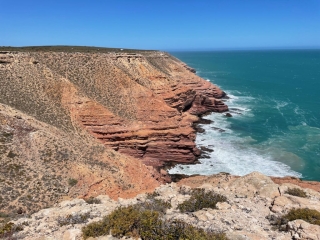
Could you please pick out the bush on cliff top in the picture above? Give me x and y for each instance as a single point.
(8, 229)
(309, 215)
(147, 224)
(306, 214)
(93, 200)
(145, 220)
(72, 182)
(200, 198)
(296, 192)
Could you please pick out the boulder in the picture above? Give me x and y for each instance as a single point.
(300, 229)
(255, 184)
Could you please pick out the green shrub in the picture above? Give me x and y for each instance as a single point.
(296, 192)
(121, 222)
(2, 214)
(93, 200)
(154, 204)
(177, 229)
(7, 230)
(72, 182)
(135, 222)
(201, 199)
(150, 225)
(306, 214)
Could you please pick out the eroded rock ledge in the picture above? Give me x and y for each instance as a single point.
(141, 104)
(65, 111)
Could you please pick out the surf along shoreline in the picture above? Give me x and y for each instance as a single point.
(206, 150)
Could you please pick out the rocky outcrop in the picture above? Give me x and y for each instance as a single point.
(302, 230)
(296, 181)
(245, 215)
(95, 118)
(141, 104)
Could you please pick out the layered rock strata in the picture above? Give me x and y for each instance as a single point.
(42, 165)
(141, 104)
(77, 123)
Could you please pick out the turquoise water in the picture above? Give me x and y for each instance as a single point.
(275, 102)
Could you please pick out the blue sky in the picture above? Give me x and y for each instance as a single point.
(165, 24)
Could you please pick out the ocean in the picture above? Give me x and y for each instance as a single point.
(275, 106)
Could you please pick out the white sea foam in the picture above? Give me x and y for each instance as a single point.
(301, 115)
(233, 153)
(240, 104)
(291, 112)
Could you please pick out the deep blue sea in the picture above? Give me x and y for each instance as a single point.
(275, 103)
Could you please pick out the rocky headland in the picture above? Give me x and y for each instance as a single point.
(79, 122)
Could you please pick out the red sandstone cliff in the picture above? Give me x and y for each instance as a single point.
(58, 109)
(140, 104)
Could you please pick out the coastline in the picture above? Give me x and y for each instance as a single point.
(275, 130)
(311, 184)
(97, 101)
(97, 148)
(84, 117)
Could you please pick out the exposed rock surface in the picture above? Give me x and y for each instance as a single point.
(296, 181)
(303, 230)
(138, 104)
(60, 108)
(250, 203)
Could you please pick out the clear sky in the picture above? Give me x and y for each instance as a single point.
(164, 25)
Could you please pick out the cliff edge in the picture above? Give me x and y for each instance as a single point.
(87, 121)
(252, 207)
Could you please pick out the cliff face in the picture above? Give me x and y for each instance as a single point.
(58, 109)
(140, 104)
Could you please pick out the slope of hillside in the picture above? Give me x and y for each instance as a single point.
(75, 123)
(41, 165)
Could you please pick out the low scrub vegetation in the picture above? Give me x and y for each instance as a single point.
(72, 182)
(146, 221)
(306, 214)
(8, 229)
(136, 222)
(296, 192)
(93, 200)
(152, 203)
(200, 198)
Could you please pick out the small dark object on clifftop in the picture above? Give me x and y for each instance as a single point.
(93, 200)
(20, 211)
